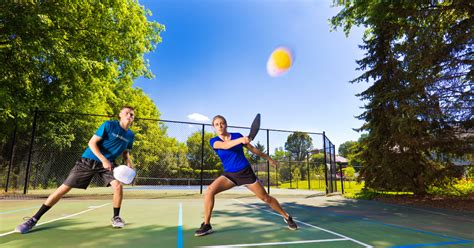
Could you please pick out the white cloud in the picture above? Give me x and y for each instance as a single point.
(198, 117)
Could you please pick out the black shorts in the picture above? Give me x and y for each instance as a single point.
(85, 169)
(242, 177)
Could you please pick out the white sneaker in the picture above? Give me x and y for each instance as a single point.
(118, 222)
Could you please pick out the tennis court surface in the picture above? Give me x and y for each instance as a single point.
(239, 220)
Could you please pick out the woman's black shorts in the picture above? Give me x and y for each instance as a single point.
(242, 177)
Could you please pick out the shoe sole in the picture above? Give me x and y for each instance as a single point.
(289, 227)
(115, 226)
(19, 231)
(202, 234)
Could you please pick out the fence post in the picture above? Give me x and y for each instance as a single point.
(12, 153)
(202, 156)
(309, 172)
(268, 162)
(325, 162)
(291, 173)
(28, 166)
(333, 168)
(342, 179)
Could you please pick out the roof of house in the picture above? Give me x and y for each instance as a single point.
(340, 159)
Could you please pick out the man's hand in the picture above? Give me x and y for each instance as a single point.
(107, 165)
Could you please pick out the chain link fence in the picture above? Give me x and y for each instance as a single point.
(37, 155)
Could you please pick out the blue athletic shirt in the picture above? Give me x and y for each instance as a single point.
(233, 159)
(114, 141)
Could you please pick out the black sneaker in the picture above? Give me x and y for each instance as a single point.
(204, 230)
(27, 225)
(291, 224)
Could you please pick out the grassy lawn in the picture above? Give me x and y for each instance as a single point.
(350, 187)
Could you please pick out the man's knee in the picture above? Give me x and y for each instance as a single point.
(117, 186)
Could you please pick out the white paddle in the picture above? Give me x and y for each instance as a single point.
(124, 174)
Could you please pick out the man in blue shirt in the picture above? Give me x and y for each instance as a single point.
(112, 139)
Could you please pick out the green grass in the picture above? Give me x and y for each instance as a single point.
(350, 187)
(353, 189)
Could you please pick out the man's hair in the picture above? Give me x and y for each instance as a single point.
(218, 117)
(127, 107)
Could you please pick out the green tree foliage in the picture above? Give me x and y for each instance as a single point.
(345, 147)
(74, 57)
(298, 145)
(349, 172)
(154, 153)
(211, 160)
(419, 63)
(280, 154)
(253, 158)
(317, 159)
(71, 56)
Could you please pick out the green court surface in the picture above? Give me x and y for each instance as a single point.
(239, 221)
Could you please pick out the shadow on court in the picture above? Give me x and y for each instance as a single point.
(373, 223)
(66, 234)
(244, 220)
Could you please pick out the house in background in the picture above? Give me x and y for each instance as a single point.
(342, 161)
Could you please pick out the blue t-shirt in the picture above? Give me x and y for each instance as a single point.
(114, 141)
(233, 159)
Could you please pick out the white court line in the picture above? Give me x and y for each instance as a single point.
(277, 243)
(67, 216)
(304, 223)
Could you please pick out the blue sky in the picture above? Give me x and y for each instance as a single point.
(213, 61)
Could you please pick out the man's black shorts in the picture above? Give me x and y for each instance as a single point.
(85, 169)
(242, 177)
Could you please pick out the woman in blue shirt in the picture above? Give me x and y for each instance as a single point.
(237, 172)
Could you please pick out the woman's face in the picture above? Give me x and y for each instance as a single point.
(220, 126)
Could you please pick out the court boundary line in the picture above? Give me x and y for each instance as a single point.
(310, 225)
(180, 242)
(18, 210)
(278, 243)
(90, 208)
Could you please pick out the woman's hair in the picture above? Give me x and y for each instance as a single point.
(219, 117)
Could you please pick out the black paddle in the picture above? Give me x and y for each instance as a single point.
(254, 128)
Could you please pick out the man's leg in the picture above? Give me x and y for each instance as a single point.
(57, 195)
(117, 203)
(52, 199)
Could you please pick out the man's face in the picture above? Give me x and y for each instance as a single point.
(127, 115)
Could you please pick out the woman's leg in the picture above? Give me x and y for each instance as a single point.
(219, 185)
(260, 192)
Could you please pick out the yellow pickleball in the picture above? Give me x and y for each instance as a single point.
(279, 62)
